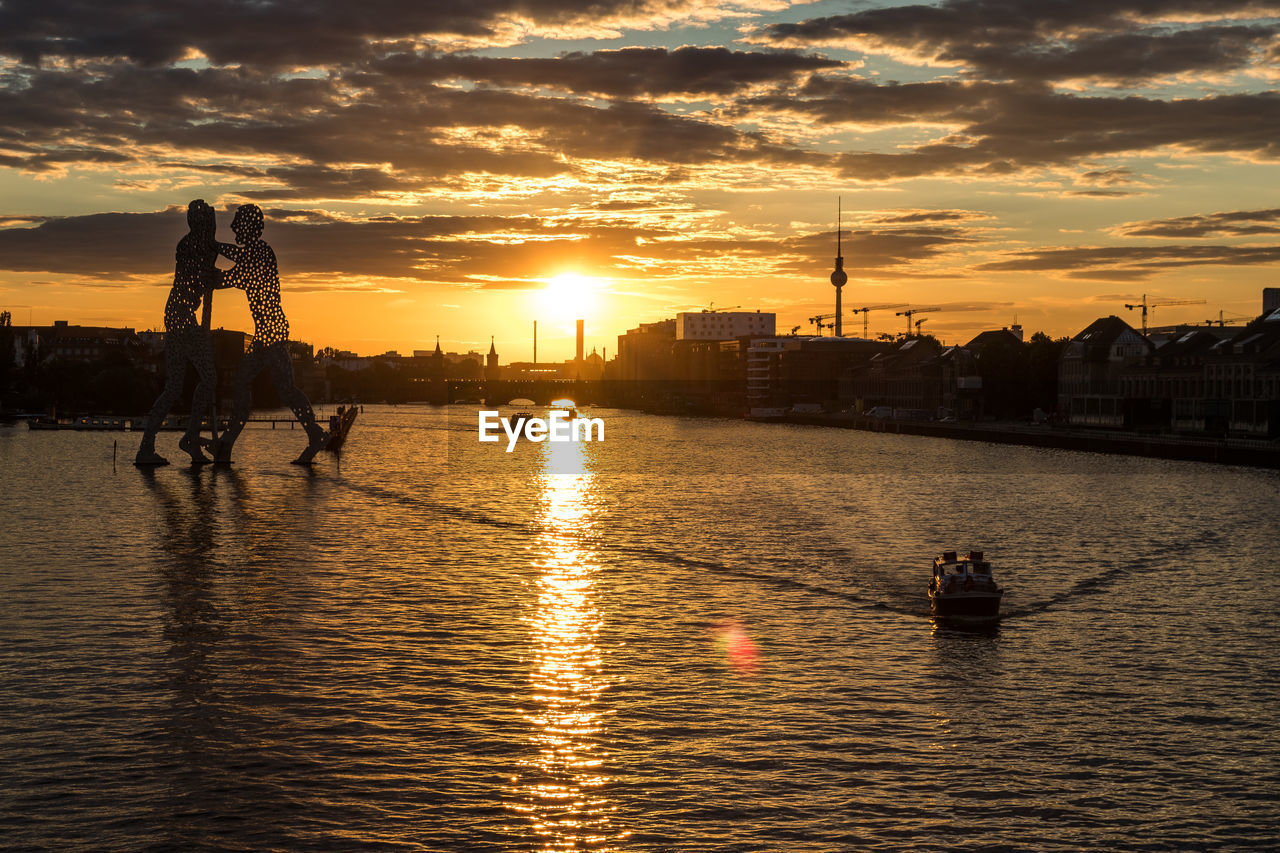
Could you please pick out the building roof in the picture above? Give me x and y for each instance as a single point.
(910, 351)
(1189, 347)
(1258, 337)
(1095, 340)
(993, 337)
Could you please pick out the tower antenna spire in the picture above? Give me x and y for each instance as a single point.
(839, 276)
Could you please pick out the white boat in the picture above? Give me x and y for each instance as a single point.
(567, 406)
(963, 588)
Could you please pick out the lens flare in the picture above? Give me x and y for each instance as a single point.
(737, 647)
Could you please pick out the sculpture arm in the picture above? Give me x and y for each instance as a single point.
(230, 251)
(237, 276)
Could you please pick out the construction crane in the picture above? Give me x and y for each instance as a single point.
(818, 322)
(911, 312)
(867, 309)
(920, 323)
(1147, 306)
(1224, 319)
(712, 309)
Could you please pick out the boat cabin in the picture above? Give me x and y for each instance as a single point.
(952, 572)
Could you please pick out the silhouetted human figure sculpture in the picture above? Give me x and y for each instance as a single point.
(185, 339)
(255, 273)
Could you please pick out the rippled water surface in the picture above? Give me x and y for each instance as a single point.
(698, 635)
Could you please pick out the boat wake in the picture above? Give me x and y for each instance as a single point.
(1085, 587)
(658, 555)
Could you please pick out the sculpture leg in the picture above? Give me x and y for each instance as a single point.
(201, 355)
(175, 366)
(250, 366)
(293, 397)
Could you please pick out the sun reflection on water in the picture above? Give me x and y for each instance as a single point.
(561, 785)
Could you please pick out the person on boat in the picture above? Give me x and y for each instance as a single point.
(255, 272)
(185, 340)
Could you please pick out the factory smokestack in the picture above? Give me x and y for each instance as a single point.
(580, 342)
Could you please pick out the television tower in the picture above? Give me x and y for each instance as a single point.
(838, 276)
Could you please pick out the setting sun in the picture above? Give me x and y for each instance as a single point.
(570, 296)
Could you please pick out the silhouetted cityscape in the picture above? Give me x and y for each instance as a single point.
(1204, 380)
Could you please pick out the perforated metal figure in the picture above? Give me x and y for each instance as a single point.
(255, 273)
(184, 339)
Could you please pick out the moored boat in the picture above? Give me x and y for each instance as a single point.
(963, 588)
(91, 422)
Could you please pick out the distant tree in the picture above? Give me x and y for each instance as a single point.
(327, 352)
(342, 382)
(1044, 353)
(120, 386)
(379, 381)
(928, 337)
(1002, 362)
(66, 384)
(468, 368)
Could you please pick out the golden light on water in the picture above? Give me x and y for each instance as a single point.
(560, 786)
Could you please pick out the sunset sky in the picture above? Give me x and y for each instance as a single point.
(463, 169)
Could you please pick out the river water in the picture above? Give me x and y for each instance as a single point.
(698, 635)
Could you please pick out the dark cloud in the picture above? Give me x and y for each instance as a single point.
(473, 250)
(387, 126)
(1110, 274)
(874, 249)
(862, 101)
(128, 245)
(214, 169)
(1238, 223)
(812, 253)
(1127, 58)
(1128, 263)
(1108, 177)
(953, 307)
(1004, 128)
(912, 217)
(419, 134)
(1128, 41)
(633, 72)
(282, 33)
(1100, 194)
(101, 245)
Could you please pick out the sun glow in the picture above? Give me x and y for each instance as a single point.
(570, 296)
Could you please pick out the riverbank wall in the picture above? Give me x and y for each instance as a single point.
(1253, 453)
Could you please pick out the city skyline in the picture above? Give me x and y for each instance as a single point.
(469, 172)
